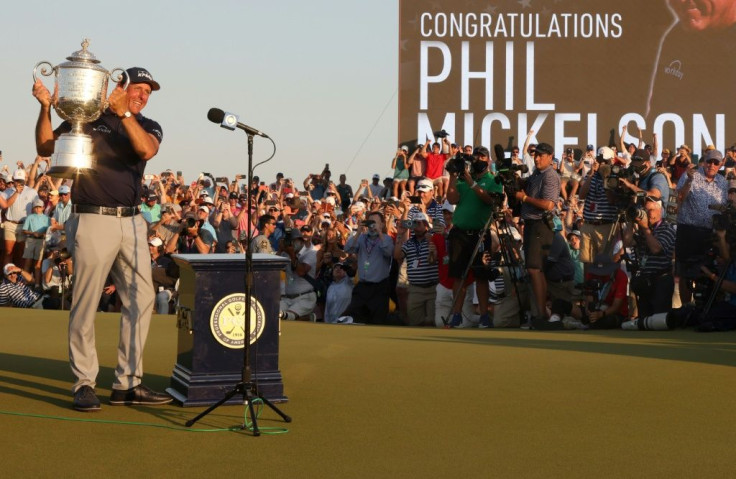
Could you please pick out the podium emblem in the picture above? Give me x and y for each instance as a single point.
(227, 321)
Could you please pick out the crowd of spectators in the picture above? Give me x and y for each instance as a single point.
(595, 239)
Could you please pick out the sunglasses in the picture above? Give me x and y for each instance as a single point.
(713, 162)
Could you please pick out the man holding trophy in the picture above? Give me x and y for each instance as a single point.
(105, 233)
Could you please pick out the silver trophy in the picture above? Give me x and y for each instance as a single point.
(81, 86)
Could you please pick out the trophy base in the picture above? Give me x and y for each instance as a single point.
(72, 156)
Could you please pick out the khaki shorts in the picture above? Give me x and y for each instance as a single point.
(595, 239)
(14, 232)
(34, 249)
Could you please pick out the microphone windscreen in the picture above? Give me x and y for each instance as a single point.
(215, 115)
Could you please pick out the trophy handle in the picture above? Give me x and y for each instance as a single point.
(44, 71)
(119, 77)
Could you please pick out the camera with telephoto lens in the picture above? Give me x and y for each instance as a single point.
(618, 173)
(60, 256)
(725, 220)
(459, 163)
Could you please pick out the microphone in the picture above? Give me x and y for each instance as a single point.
(230, 121)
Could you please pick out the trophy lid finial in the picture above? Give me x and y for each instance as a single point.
(83, 55)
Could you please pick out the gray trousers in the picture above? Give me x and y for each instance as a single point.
(100, 245)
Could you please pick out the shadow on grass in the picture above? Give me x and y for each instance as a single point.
(708, 348)
(30, 372)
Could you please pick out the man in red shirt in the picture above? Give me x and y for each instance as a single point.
(606, 303)
(435, 164)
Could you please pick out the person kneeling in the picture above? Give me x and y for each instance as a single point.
(605, 302)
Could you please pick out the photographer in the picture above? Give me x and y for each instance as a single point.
(374, 249)
(191, 238)
(600, 212)
(654, 241)
(225, 223)
(651, 182)
(605, 301)
(476, 195)
(538, 197)
(427, 205)
(421, 269)
(696, 190)
(57, 270)
(299, 298)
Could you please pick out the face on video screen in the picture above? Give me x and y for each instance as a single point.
(705, 14)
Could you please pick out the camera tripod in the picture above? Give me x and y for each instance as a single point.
(247, 386)
(513, 262)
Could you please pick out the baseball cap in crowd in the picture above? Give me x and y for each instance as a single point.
(359, 204)
(141, 75)
(425, 185)
(605, 153)
(345, 267)
(545, 148)
(54, 192)
(8, 267)
(640, 155)
(713, 155)
(38, 203)
(590, 148)
(64, 189)
(330, 201)
(208, 200)
(289, 195)
(233, 196)
(19, 175)
(376, 176)
(602, 265)
(205, 209)
(405, 148)
(151, 197)
(481, 151)
(447, 206)
(574, 233)
(156, 241)
(420, 217)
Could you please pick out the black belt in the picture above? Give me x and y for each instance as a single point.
(424, 285)
(292, 296)
(118, 211)
(15, 222)
(598, 222)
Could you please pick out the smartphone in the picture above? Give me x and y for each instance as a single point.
(415, 200)
(178, 174)
(148, 177)
(303, 193)
(221, 179)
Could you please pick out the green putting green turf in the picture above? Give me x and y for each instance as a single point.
(391, 402)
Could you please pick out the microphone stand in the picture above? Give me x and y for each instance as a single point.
(247, 386)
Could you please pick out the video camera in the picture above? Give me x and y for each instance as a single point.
(506, 173)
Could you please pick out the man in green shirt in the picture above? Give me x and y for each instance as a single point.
(475, 194)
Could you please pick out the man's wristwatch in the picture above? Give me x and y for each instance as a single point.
(127, 114)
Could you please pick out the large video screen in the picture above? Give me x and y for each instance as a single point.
(575, 72)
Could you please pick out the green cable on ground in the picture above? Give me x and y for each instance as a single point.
(248, 424)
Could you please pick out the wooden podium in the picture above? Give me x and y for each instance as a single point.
(211, 327)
